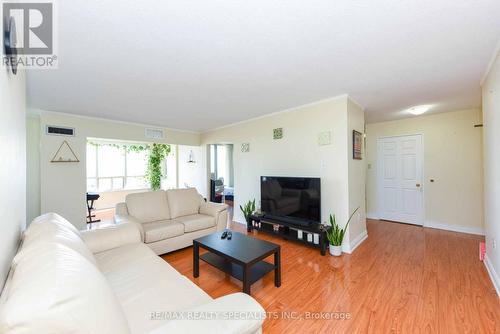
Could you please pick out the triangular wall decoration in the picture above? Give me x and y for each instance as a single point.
(65, 154)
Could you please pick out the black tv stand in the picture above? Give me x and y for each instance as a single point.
(290, 230)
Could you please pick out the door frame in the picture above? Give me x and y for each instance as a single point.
(379, 176)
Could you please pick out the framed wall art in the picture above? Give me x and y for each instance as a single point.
(357, 145)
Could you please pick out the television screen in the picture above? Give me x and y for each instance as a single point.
(295, 198)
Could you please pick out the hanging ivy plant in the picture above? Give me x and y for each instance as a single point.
(156, 154)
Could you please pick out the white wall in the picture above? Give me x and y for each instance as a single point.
(63, 185)
(12, 166)
(452, 157)
(109, 199)
(491, 119)
(357, 176)
(192, 174)
(297, 154)
(32, 167)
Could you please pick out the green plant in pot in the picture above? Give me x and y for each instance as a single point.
(335, 234)
(247, 210)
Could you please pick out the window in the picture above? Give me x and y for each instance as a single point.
(112, 167)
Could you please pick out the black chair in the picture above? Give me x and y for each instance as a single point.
(91, 198)
(215, 194)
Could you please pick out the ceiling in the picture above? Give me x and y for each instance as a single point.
(198, 65)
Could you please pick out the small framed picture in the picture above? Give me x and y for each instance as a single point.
(357, 144)
(278, 133)
(245, 147)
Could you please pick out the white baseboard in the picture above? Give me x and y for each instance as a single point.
(372, 215)
(493, 274)
(237, 220)
(238, 217)
(454, 228)
(355, 243)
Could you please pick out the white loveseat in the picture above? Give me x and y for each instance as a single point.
(172, 219)
(107, 281)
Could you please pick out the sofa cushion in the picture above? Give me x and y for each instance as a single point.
(148, 206)
(130, 261)
(160, 230)
(183, 202)
(196, 222)
(56, 290)
(145, 285)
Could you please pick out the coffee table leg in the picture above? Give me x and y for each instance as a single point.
(277, 268)
(246, 279)
(196, 259)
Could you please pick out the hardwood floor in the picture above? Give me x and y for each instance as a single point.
(402, 279)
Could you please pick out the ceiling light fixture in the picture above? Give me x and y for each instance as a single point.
(419, 110)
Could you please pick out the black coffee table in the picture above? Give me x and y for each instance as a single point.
(241, 257)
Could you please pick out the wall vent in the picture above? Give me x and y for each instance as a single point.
(60, 131)
(154, 133)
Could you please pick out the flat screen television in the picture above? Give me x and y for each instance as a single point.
(293, 199)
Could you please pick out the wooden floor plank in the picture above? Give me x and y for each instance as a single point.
(402, 279)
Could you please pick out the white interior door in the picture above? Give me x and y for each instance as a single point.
(400, 169)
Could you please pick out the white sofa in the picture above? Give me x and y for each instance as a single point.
(172, 219)
(106, 281)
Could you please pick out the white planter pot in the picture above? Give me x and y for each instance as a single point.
(335, 250)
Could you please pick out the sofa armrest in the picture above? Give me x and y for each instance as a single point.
(121, 209)
(237, 313)
(107, 238)
(216, 210)
(211, 208)
(126, 219)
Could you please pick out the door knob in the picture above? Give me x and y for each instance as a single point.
(418, 185)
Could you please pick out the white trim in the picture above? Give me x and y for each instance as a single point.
(239, 222)
(405, 135)
(338, 97)
(238, 217)
(41, 111)
(490, 64)
(346, 96)
(493, 274)
(372, 215)
(349, 249)
(359, 105)
(455, 228)
(35, 113)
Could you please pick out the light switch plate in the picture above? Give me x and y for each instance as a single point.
(324, 138)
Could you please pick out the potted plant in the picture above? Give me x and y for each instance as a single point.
(335, 235)
(247, 210)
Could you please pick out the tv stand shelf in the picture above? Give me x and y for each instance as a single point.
(290, 231)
